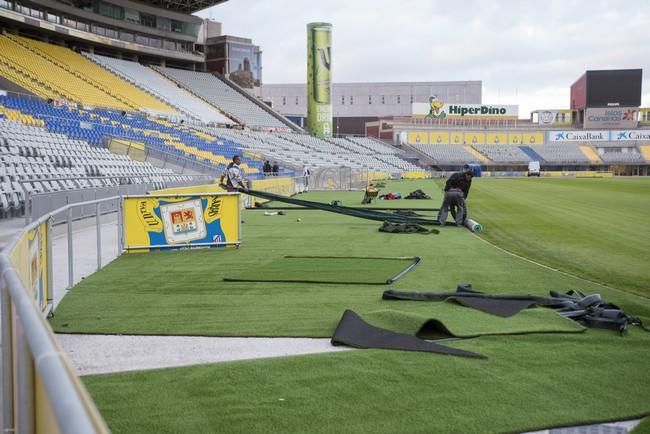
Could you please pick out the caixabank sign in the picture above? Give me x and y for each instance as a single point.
(630, 135)
(598, 136)
(616, 117)
(436, 108)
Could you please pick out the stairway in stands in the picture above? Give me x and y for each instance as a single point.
(531, 153)
(645, 152)
(591, 154)
(482, 158)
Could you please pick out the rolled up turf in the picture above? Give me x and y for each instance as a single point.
(473, 225)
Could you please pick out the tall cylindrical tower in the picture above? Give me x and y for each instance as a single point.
(319, 79)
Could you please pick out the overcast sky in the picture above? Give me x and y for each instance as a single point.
(525, 52)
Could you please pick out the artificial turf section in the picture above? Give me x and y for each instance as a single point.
(359, 270)
(528, 382)
(595, 228)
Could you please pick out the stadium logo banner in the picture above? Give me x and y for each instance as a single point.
(630, 135)
(554, 117)
(436, 108)
(578, 136)
(319, 79)
(171, 221)
(617, 117)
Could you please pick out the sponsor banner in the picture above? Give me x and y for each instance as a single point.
(456, 138)
(630, 135)
(436, 108)
(496, 139)
(439, 138)
(616, 117)
(319, 81)
(578, 136)
(29, 257)
(472, 138)
(170, 221)
(417, 138)
(514, 138)
(532, 139)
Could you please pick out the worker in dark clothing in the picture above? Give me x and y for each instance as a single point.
(275, 168)
(267, 168)
(456, 193)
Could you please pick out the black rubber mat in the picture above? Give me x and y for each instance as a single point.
(353, 331)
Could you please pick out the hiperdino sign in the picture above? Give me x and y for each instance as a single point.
(436, 108)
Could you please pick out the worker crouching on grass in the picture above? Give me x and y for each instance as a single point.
(456, 193)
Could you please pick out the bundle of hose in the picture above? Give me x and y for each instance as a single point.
(353, 212)
(473, 225)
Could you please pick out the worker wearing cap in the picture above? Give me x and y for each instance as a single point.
(456, 193)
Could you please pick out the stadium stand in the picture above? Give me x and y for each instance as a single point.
(561, 153)
(482, 158)
(503, 153)
(300, 150)
(447, 154)
(534, 156)
(154, 83)
(43, 162)
(645, 151)
(47, 79)
(80, 67)
(95, 126)
(632, 157)
(221, 95)
(591, 154)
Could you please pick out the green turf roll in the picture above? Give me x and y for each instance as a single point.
(473, 225)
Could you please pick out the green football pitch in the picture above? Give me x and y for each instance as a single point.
(590, 229)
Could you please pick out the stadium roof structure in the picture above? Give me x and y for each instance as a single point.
(184, 6)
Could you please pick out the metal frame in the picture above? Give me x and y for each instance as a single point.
(36, 347)
(28, 195)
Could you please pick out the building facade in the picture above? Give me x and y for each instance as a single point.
(354, 104)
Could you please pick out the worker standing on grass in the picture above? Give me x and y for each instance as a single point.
(234, 176)
(456, 193)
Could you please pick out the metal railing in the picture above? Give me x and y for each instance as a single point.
(39, 204)
(30, 351)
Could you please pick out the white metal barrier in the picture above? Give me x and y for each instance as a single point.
(38, 382)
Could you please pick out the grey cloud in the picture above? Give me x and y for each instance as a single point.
(526, 51)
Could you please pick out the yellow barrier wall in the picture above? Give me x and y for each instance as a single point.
(415, 175)
(29, 256)
(577, 174)
(469, 137)
(378, 176)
